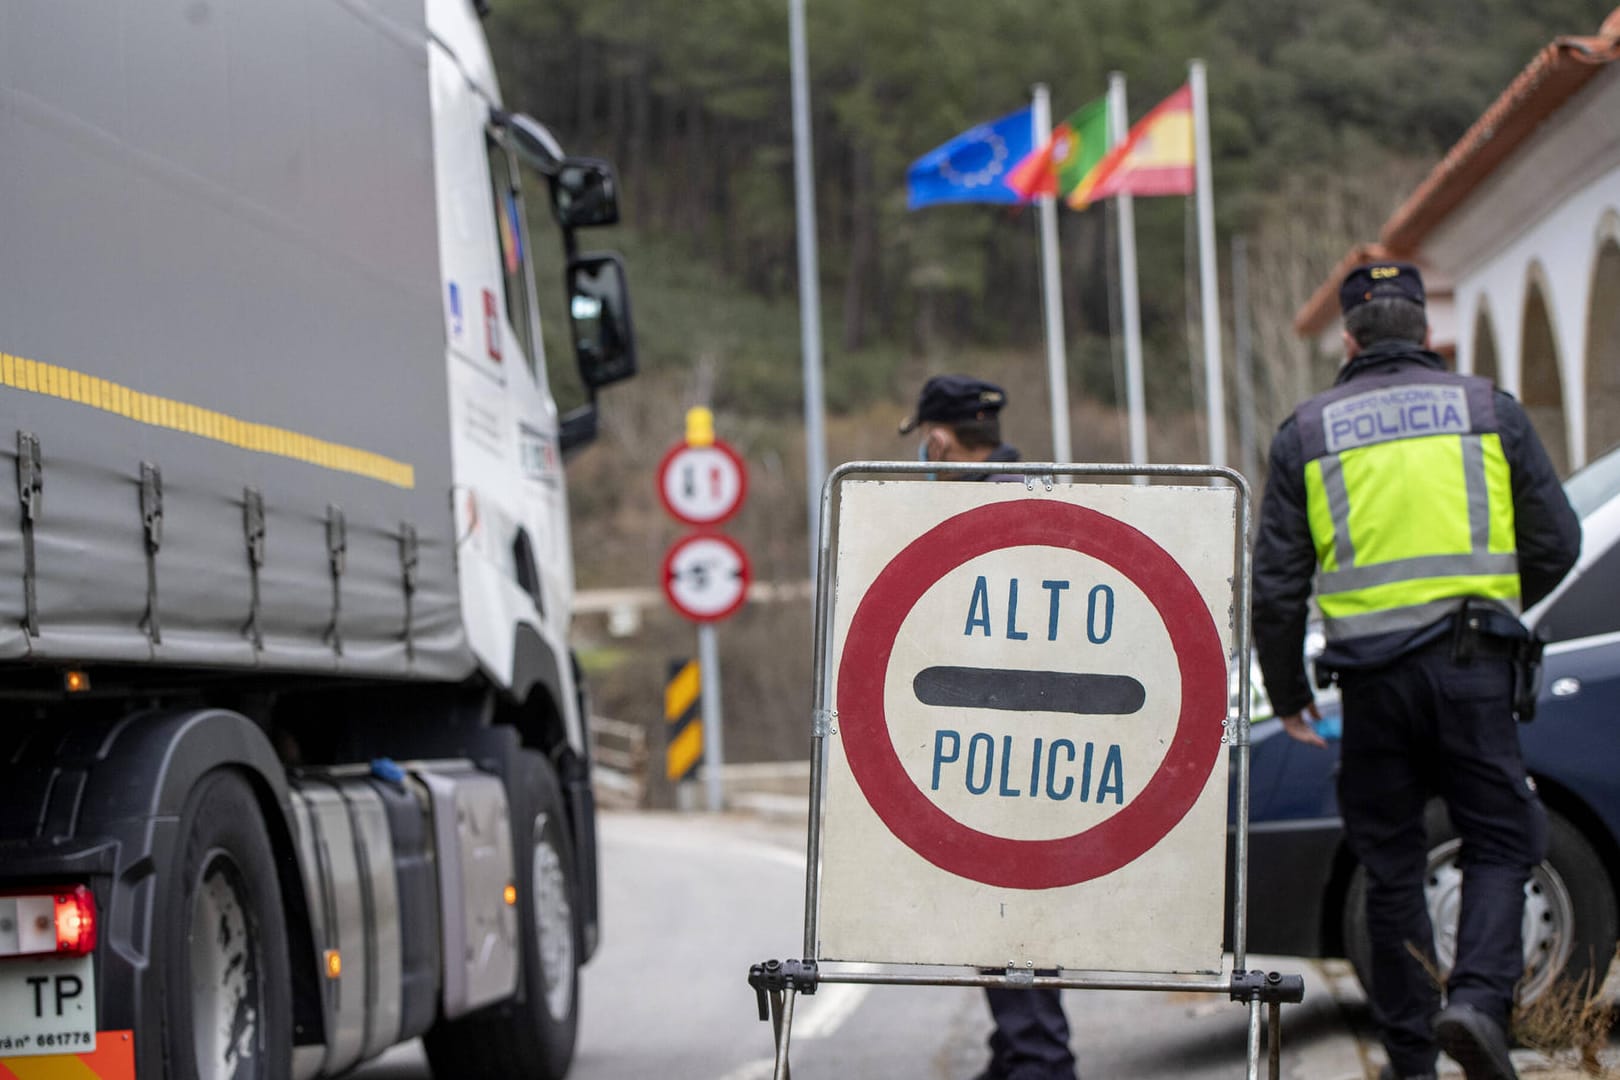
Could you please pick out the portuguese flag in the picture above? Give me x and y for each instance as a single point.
(1069, 159)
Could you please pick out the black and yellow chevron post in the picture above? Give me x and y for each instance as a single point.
(683, 721)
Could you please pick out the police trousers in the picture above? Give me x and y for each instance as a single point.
(1430, 725)
(1031, 1040)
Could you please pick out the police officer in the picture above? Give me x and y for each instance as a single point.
(1429, 514)
(958, 417)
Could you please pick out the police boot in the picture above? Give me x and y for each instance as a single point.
(1474, 1041)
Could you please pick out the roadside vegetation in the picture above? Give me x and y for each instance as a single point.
(1324, 117)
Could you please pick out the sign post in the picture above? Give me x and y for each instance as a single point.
(1021, 734)
(702, 482)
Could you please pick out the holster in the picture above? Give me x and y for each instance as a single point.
(1485, 630)
(1527, 677)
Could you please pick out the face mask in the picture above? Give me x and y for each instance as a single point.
(922, 455)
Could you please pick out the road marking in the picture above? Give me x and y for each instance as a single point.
(762, 1069)
(815, 1017)
(828, 1008)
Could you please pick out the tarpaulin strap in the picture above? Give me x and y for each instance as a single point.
(253, 533)
(337, 550)
(30, 490)
(152, 521)
(408, 561)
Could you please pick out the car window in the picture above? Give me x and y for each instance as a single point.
(1595, 484)
(1587, 606)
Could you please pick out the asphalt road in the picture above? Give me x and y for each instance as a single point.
(690, 901)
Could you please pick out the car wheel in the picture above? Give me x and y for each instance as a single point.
(1569, 910)
(532, 1038)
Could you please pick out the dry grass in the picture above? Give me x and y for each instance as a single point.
(1569, 1023)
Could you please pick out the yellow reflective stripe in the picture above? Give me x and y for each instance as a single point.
(682, 691)
(1400, 594)
(1499, 489)
(1319, 516)
(1403, 483)
(684, 751)
(110, 397)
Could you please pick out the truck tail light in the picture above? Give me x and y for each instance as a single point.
(61, 922)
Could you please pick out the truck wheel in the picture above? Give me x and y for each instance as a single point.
(532, 1038)
(226, 991)
(1569, 911)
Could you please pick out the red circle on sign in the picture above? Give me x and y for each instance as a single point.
(726, 511)
(995, 860)
(745, 574)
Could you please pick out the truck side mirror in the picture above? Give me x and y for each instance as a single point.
(584, 193)
(599, 311)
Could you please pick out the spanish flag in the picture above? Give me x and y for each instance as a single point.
(1155, 158)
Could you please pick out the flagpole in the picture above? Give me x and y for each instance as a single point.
(1057, 366)
(815, 437)
(1136, 415)
(1209, 287)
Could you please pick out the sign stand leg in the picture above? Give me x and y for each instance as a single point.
(1271, 989)
(782, 1026)
(777, 984)
(1254, 1039)
(1274, 1037)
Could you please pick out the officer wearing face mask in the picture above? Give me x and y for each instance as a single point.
(957, 416)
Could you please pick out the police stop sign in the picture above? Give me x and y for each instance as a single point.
(1030, 690)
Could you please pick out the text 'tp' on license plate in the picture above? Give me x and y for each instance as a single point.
(47, 1006)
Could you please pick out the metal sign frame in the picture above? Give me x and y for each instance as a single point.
(777, 983)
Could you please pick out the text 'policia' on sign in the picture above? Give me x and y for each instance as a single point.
(1057, 768)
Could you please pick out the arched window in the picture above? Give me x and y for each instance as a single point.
(1543, 389)
(1485, 346)
(1603, 352)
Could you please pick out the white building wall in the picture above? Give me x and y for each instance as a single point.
(1540, 218)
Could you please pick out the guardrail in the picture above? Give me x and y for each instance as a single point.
(619, 761)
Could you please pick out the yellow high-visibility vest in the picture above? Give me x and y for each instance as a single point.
(1410, 501)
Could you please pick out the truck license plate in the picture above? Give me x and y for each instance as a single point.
(47, 1006)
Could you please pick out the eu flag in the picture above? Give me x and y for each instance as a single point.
(973, 167)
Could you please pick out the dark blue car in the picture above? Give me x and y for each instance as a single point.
(1306, 893)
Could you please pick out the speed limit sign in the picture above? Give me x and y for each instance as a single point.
(706, 576)
(702, 484)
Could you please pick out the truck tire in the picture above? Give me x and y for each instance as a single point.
(532, 1038)
(226, 992)
(1570, 916)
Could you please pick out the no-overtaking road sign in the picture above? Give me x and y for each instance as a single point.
(1030, 697)
(702, 484)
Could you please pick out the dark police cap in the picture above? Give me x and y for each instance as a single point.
(948, 399)
(1378, 281)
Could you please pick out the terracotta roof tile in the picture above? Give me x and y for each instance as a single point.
(1556, 73)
